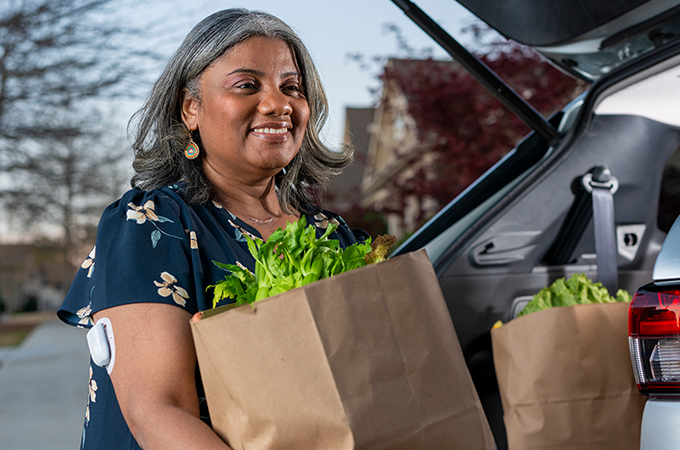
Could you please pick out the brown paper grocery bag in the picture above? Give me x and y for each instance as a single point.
(365, 360)
(566, 379)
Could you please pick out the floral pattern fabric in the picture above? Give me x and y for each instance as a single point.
(168, 287)
(154, 247)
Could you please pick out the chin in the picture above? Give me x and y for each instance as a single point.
(272, 169)
(279, 163)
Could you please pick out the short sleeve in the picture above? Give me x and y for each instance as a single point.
(142, 254)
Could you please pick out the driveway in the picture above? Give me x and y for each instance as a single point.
(43, 389)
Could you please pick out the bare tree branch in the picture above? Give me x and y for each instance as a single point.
(59, 60)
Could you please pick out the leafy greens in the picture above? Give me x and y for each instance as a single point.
(578, 289)
(294, 257)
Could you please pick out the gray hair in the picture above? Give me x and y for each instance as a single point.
(160, 135)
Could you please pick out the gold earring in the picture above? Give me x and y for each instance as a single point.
(191, 151)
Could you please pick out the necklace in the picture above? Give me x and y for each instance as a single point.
(254, 220)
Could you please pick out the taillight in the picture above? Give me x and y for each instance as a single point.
(654, 336)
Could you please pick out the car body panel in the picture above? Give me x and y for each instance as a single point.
(660, 428)
(667, 266)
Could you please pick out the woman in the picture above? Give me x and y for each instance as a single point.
(227, 145)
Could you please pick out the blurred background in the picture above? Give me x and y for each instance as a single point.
(73, 72)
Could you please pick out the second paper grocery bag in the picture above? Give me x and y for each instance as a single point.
(566, 379)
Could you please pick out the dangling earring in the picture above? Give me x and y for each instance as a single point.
(191, 151)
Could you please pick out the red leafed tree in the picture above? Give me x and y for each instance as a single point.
(465, 128)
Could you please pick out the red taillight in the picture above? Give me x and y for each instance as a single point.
(654, 335)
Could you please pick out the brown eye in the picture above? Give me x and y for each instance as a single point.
(246, 85)
(293, 89)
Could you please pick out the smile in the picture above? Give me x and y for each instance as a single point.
(271, 130)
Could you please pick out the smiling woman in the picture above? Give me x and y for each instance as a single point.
(227, 146)
(252, 115)
(161, 136)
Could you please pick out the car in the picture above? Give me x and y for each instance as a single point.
(593, 189)
(654, 334)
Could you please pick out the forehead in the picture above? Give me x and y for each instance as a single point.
(259, 53)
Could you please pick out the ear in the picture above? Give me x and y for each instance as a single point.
(189, 110)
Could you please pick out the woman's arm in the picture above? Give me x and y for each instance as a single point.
(154, 377)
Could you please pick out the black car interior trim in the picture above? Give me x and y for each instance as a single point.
(548, 22)
(639, 28)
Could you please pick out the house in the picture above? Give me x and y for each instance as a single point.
(437, 129)
(400, 146)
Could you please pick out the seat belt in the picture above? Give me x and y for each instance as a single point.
(602, 186)
(593, 199)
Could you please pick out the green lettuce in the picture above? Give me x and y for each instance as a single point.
(577, 290)
(294, 257)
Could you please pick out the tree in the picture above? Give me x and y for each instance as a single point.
(54, 56)
(63, 184)
(59, 156)
(462, 129)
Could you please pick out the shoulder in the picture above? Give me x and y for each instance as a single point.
(143, 253)
(159, 209)
(141, 206)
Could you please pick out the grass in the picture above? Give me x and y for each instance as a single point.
(16, 327)
(12, 338)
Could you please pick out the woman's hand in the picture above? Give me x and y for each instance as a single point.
(154, 377)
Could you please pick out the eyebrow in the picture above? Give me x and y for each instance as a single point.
(259, 73)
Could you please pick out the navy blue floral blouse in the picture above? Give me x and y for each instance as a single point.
(153, 247)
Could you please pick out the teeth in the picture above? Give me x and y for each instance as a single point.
(271, 130)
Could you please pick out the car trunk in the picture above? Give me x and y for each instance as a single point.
(491, 246)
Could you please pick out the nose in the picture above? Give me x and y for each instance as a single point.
(274, 102)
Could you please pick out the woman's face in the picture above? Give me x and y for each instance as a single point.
(252, 113)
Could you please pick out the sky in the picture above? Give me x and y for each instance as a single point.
(330, 29)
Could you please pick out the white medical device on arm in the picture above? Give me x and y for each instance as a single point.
(101, 344)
